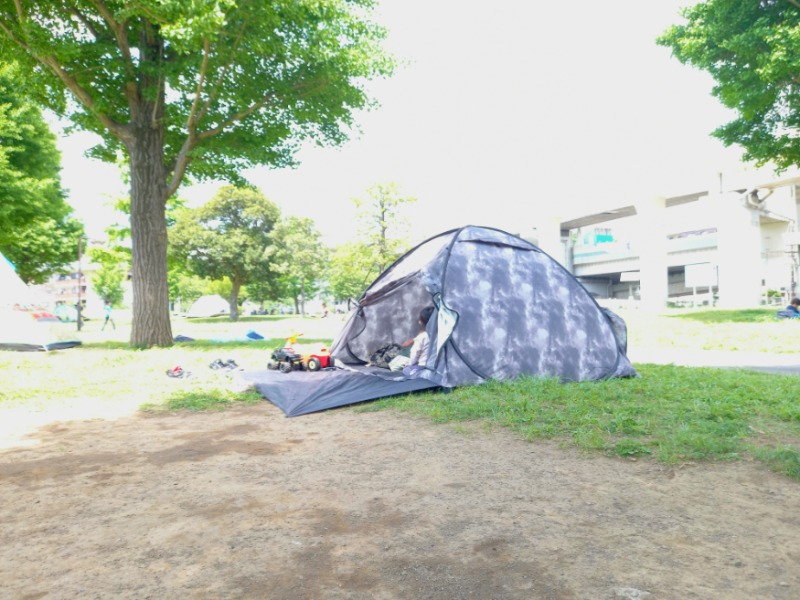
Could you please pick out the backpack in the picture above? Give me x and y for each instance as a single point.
(384, 355)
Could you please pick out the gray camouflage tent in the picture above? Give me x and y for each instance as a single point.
(503, 308)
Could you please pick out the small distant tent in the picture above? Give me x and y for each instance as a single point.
(13, 290)
(503, 309)
(26, 331)
(209, 306)
(31, 328)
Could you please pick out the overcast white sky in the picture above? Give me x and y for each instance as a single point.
(506, 112)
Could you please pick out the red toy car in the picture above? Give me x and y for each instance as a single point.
(290, 358)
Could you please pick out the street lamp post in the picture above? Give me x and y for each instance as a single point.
(80, 284)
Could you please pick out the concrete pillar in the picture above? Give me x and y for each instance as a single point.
(739, 248)
(652, 247)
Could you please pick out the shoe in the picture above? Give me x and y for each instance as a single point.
(176, 371)
(217, 364)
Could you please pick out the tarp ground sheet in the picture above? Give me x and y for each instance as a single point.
(300, 392)
(503, 308)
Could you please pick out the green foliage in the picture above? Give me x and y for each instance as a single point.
(383, 226)
(37, 232)
(749, 315)
(352, 269)
(108, 279)
(781, 459)
(299, 257)
(263, 290)
(186, 288)
(228, 237)
(671, 413)
(246, 80)
(199, 89)
(752, 50)
(197, 400)
(107, 283)
(381, 239)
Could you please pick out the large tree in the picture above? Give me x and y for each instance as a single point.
(299, 257)
(227, 238)
(752, 50)
(382, 223)
(203, 88)
(37, 232)
(381, 238)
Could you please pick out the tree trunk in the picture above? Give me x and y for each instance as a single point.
(236, 286)
(151, 322)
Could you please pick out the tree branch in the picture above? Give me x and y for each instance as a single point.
(191, 120)
(222, 74)
(98, 35)
(794, 2)
(181, 163)
(243, 114)
(121, 35)
(81, 94)
(84, 97)
(209, 133)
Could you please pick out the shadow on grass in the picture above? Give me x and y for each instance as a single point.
(752, 315)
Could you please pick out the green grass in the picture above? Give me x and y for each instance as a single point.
(670, 414)
(105, 371)
(756, 330)
(204, 400)
(754, 315)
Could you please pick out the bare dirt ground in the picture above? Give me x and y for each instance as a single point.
(349, 505)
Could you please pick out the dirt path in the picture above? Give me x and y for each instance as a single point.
(346, 505)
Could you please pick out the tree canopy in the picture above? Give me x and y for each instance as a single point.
(299, 257)
(752, 50)
(228, 237)
(37, 232)
(113, 268)
(383, 225)
(381, 238)
(204, 88)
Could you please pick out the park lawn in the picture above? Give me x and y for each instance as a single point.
(673, 414)
(670, 414)
(753, 330)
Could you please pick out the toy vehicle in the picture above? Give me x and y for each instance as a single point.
(284, 359)
(320, 359)
(288, 358)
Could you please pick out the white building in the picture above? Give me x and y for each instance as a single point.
(734, 246)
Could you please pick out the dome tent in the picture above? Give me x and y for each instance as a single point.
(22, 327)
(13, 290)
(503, 309)
(212, 305)
(25, 331)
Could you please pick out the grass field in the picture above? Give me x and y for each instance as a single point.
(671, 414)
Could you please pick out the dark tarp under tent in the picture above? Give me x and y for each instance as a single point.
(503, 309)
